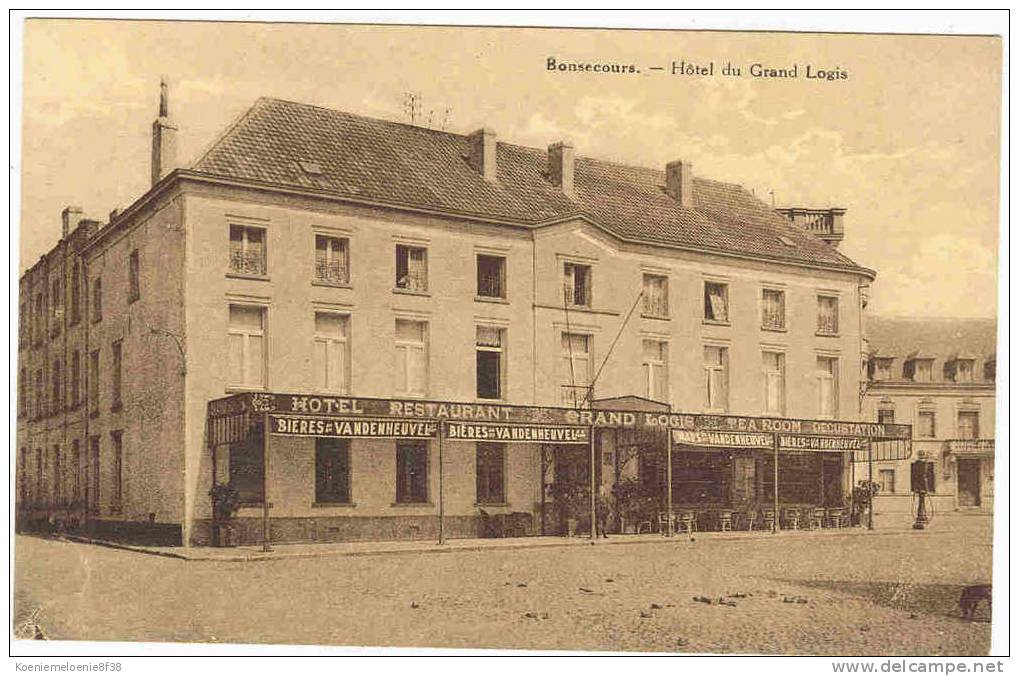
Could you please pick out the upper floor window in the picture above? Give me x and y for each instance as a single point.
(411, 268)
(40, 395)
(331, 352)
(248, 250)
(575, 369)
(411, 357)
(40, 319)
(655, 365)
(656, 295)
(716, 378)
(75, 378)
(97, 299)
(93, 383)
(246, 346)
(134, 291)
(959, 370)
(56, 401)
(886, 480)
(22, 325)
(828, 315)
(117, 499)
(56, 306)
(332, 260)
(490, 362)
(716, 302)
(76, 293)
(774, 382)
(919, 370)
(491, 276)
(773, 309)
(968, 425)
(827, 387)
(886, 416)
(989, 370)
(881, 368)
(116, 381)
(577, 284)
(925, 425)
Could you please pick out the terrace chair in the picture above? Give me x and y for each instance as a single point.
(664, 519)
(748, 519)
(769, 519)
(724, 519)
(817, 518)
(688, 521)
(791, 518)
(836, 517)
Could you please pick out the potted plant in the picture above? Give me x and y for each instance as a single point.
(225, 503)
(573, 503)
(863, 494)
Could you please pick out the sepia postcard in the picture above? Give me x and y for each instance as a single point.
(380, 336)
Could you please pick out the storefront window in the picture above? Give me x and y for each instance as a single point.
(699, 478)
(491, 487)
(411, 472)
(332, 470)
(799, 479)
(246, 467)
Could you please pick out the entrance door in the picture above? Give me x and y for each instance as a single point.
(969, 482)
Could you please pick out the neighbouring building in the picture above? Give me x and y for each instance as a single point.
(394, 274)
(938, 375)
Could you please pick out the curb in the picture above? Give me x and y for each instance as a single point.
(451, 549)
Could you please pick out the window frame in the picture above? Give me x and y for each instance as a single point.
(245, 335)
(422, 283)
(403, 349)
(781, 324)
(482, 448)
(570, 268)
(116, 375)
(92, 386)
(341, 281)
(241, 271)
(567, 354)
(324, 445)
(709, 309)
(883, 473)
(820, 328)
(117, 498)
(489, 349)
(97, 299)
(328, 339)
(833, 377)
(713, 368)
(925, 413)
(134, 282)
(968, 413)
(648, 309)
(648, 365)
(502, 277)
(401, 495)
(780, 373)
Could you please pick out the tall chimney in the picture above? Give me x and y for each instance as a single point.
(679, 182)
(560, 166)
(164, 139)
(482, 153)
(70, 218)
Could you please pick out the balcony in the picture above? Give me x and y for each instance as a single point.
(250, 262)
(826, 224)
(332, 272)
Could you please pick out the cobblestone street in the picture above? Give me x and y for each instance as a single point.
(881, 593)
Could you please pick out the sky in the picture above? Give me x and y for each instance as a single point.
(908, 142)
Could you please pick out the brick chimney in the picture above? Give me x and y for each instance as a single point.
(482, 153)
(560, 166)
(679, 182)
(164, 139)
(70, 218)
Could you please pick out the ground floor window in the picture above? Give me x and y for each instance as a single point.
(411, 471)
(332, 470)
(701, 477)
(886, 479)
(491, 476)
(246, 468)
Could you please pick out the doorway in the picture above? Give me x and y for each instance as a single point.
(969, 482)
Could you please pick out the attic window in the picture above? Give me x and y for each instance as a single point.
(785, 240)
(309, 167)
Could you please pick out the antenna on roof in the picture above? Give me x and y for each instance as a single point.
(411, 106)
(445, 118)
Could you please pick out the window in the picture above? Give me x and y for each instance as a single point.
(332, 260)
(332, 470)
(827, 387)
(716, 302)
(886, 416)
(989, 370)
(960, 370)
(116, 379)
(881, 368)
(246, 338)
(886, 480)
(411, 357)
(411, 268)
(38, 476)
(246, 468)
(23, 392)
(247, 251)
(134, 291)
(575, 363)
(656, 295)
(490, 363)
(56, 306)
(491, 276)
(828, 315)
(920, 370)
(118, 470)
(58, 483)
(93, 480)
(40, 319)
(22, 323)
(925, 427)
(490, 473)
(773, 309)
(716, 378)
(75, 378)
(76, 293)
(23, 477)
(577, 284)
(76, 472)
(968, 425)
(93, 383)
(774, 382)
(656, 369)
(56, 400)
(97, 300)
(331, 352)
(40, 395)
(411, 472)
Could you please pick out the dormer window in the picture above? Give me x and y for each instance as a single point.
(959, 370)
(989, 370)
(919, 370)
(881, 368)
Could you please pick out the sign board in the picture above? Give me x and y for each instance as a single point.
(722, 439)
(303, 426)
(512, 433)
(542, 416)
(799, 442)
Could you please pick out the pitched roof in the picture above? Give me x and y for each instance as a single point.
(401, 165)
(938, 338)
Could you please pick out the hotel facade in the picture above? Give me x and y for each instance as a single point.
(388, 287)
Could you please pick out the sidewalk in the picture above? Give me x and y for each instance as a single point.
(886, 526)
